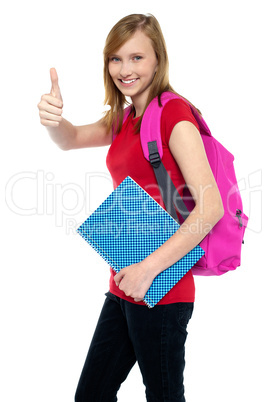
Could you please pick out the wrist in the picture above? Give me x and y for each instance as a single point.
(150, 267)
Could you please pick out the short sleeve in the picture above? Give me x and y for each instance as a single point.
(174, 111)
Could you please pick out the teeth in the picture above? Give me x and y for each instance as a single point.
(129, 82)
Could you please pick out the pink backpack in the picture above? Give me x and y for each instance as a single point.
(222, 245)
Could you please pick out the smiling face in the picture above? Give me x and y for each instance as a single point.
(133, 67)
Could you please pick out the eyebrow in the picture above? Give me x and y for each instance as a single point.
(131, 55)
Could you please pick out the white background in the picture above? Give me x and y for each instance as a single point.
(52, 283)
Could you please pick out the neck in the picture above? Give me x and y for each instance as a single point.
(139, 105)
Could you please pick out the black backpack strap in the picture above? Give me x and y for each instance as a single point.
(169, 193)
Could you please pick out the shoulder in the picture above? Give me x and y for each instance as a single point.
(177, 110)
(173, 112)
(178, 105)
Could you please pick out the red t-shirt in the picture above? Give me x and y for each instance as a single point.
(125, 158)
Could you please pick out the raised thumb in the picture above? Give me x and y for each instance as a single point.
(55, 91)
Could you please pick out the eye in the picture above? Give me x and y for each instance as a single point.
(114, 59)
(137, 58)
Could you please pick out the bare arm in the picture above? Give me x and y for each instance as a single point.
(92, 135)
(67, 136)
(64, 133)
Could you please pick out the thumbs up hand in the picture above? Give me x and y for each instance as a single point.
(51, 105)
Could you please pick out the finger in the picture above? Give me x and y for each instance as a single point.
(46, 106)
(49, 123)
(50, 116)
(55, 91)
(51, 100)
(118, 277)
(138, 300)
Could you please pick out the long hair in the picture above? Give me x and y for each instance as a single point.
(117, 37)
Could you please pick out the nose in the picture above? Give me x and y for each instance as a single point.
(126, 69)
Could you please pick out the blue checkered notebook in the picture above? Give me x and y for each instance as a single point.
(127, 227)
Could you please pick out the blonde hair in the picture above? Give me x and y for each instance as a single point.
(117, 37)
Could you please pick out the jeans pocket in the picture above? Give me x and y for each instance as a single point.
(112, 297)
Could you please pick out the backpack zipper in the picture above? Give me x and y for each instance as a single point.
(238, 215)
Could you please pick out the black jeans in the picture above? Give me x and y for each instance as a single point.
(126, 333)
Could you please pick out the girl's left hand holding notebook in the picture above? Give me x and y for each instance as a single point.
(134, 281)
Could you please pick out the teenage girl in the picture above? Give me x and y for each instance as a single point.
(136, 66)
